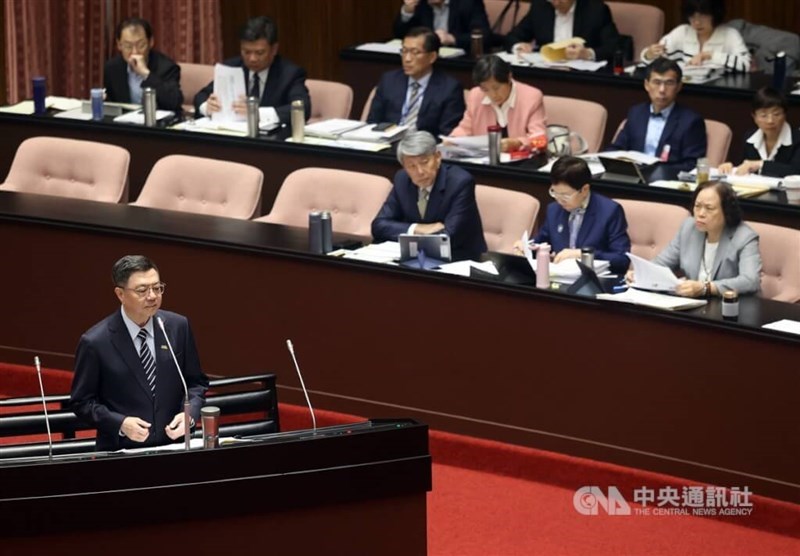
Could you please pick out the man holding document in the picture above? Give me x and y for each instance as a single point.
(714, 249)
(275, 81)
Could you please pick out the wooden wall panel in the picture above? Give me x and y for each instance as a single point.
(3, 57)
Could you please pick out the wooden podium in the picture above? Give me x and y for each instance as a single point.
(349, 489)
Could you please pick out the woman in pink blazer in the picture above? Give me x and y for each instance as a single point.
(499, 100)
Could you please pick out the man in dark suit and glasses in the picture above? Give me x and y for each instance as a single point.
(419, 95)
(126, 383)
(267, 76)
(138, 66)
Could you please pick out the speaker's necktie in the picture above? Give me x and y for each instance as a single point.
(148, 362)
(255, 90)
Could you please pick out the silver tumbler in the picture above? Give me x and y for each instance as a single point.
(209, 415)
(252, 116)
(298, 121)
(149, 106)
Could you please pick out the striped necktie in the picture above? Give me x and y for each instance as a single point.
(413, 106)
(255, 90)
(148, 363)
(575, 221)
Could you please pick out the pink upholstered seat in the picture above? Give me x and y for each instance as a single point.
(643, 23)
(70, 168)
(651, 226)
(353, 199)
(585, 117)
(193, 78)
(368, 105)
(780, 259)
(203, 186)
(329, 99)
(719, 141)
(505, 214)
(495, 7)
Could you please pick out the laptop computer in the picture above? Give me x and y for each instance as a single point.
(424, 251)
(626, 171)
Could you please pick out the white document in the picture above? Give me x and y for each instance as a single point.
(74, 114)
(784, 325)
(366, 133)
(651, 299)
(386, 252)
(343, 144)
(754, 180)
(393, 47)
(595, 166)
(229, 86)
(138, 117)
(63, 103)
(462, 268)
(652, 276)
(631, 156)
(333, 128)
(537, 60)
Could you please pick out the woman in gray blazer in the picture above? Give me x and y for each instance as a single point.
(714, 249)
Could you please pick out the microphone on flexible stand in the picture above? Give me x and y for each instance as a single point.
(38, 365)
(187, 418)
(308, 401)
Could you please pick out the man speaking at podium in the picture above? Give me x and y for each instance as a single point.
(126, 383)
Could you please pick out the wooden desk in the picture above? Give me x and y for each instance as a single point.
(686, 394)
(277, 159)
(726, 99)
(343, 490)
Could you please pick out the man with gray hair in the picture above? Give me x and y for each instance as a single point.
(429, 197)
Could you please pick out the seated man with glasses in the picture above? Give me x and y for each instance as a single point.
(138, 66)
(126, 383)
(419, 95)
(579, 218)
(429, 197)
(662, 127)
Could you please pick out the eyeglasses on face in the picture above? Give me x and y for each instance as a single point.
(413, 52)
(142, 291)
(562, 196)
(130, 46)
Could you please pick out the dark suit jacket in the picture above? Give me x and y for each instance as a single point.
(452, 202)
(165, 78)
(592, 22)
(604, 227)
(285, 82)
(787, 159)
(464, 16)
(441, 109)
(110, 384)
(684, 132)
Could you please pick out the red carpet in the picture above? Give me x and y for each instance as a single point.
(491, 498)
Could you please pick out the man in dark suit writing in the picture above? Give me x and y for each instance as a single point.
(662, 127)
(138, 66)
(558, 20)
(126, 383)
(418, 95)
(453, 20)
(429, 197)
(267, 76)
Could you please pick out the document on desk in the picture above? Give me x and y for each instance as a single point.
(386, 252)
(342, 144)
(228, 86)
(631, 156)
(595, 166)
(333, 128)
(784, 325)
(651, 276)
(652, 299)
(394, 45)
(462, 268)
(138, 117)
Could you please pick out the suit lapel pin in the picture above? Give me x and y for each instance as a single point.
(163, 347)
(560, 228)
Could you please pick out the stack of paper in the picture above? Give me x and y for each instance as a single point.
(462, 268)
(535, 59)
(342, 144)
(595, 166)
(631, 156)
(333, 128)
(138, 117)
(784, 325)
(393, 47)
(652, 276)
(386, 252)
(656, 300)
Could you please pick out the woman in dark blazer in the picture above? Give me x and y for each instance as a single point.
(774, 149)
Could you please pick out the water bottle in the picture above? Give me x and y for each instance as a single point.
(97, 104)
(315, 232)
(298, 121)
(252, 116)
(619, 62)
(703, 171)
(587, 256)
(327, 232)
(476, 43)
(730, 305)
(779, 71)
(543, 266)
(149, 106)
(209, 416)
(494, 133)
(39, 93)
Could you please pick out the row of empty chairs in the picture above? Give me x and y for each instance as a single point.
(96, 171)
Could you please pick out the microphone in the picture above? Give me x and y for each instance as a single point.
(303, 384)
(38, 365)
(186, 415)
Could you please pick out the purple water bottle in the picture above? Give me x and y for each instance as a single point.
(39, 92)
(543, 266)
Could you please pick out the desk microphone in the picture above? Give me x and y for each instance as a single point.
(303, 384)
(187, 418)
(44, 405)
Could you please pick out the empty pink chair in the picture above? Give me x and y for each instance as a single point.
(329, 99)
(505, 214)
(780, 261)
(353, 199)
(203, 186)
(643, 23)
(719, 137)
(193, 78)
(70, 168)
(651, 226)
(585, 117)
